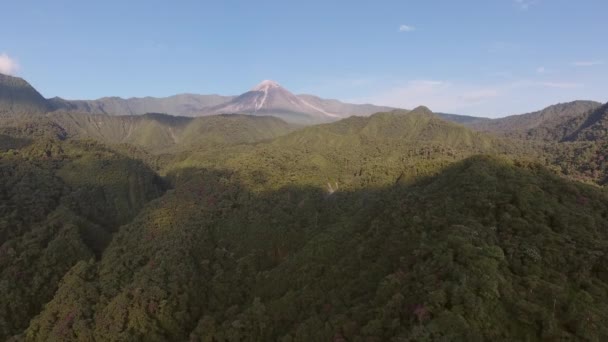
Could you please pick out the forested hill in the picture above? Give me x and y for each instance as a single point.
(544, 124)
(404, 127)
(591, 127)
(60, 203)
(159, 133)
(355, 152)
(182, 104)
(486, 250)
(399, 226)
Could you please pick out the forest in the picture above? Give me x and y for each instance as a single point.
(400, 226)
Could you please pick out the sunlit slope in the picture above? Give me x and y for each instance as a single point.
(163, 133)
(354, 152)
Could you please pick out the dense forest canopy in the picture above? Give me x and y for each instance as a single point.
(399, 226)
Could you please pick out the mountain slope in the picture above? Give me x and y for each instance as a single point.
(269, 98)
(342, 108)
(486, 250)
(540, 124)
(60, 203)
(355, 152)
(590, 127)
(17, 97)
(181, 105)
(375, 228)
(160, 133)
(405, 127)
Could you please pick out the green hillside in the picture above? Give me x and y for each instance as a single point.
(354, 152)
(182, 105)
(486, 250)
(398, 226)
(546, 124)
(579, 145)
(161, 133)
(60, 202)
(410, 127)
(591, 127)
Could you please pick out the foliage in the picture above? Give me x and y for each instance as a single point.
(59, 203)
(399, 226)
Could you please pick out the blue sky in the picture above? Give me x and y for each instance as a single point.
(478, 57)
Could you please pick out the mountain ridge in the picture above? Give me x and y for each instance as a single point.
(531, 124)
(309, 109)
(18, 97)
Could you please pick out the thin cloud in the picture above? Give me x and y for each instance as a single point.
(439, 95)
(8, 65)
(503, 47)
(545, 84)
(541, 70)
(587, 63)
(479, 96)
(500, 74)
(525, 4)
(470, 98)
(560, 85)
(406, 28)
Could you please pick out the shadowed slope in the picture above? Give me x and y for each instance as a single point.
(485, 250)
(19, 98)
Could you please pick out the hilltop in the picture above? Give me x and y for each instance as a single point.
(542, 124)
(17, 97)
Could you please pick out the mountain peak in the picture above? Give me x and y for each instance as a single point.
(421, 110)
(17, 96)
(266, 85)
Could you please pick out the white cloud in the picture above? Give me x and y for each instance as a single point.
(500, 74)
(587, 63)
(438, 95)
(560, 85)
(8, 65)
(490, 99)
(477, 96)
(406, 28)
(522, 84)
(503, 47)
(525, 4)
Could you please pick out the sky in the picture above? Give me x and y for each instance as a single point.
(477, 57)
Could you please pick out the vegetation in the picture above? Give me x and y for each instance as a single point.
(59, 204)
(160, 133)
(545, 124)
(395, 227)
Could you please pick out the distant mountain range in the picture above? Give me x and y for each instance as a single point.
(18, 97)
(545, 119)
(397, 225)
(267, 98)
(182, 105)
